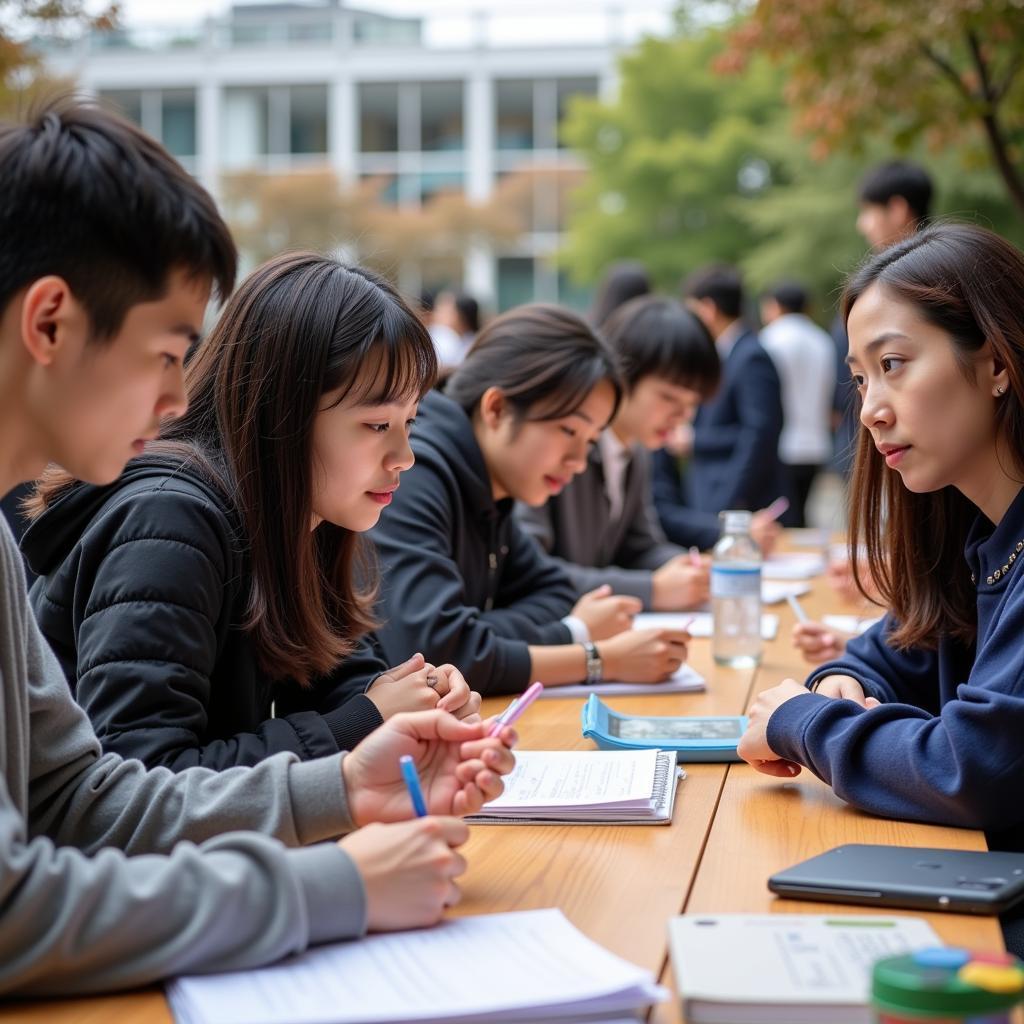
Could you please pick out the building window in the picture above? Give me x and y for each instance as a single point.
(514, 101)
(441, 116)
(178, 121)
(245, 132)
(378, 117)
(167, 114)
(529, 111)
(515, 281)
(307, 117)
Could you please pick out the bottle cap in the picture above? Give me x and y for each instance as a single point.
(735, 521)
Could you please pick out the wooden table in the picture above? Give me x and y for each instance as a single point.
(620, 884)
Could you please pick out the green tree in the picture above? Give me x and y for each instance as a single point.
(947, 72)
(672, 159)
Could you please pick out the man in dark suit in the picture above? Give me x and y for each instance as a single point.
(734, 462)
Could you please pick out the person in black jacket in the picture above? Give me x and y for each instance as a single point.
(205, 606)
(462, 581)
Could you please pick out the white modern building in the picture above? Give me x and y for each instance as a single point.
(426, 104)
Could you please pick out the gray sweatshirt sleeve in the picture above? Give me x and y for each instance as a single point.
(78, 913)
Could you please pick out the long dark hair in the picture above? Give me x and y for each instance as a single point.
(299, 327)
(545, 359)
(968, 282)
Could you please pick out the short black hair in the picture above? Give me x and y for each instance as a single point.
(659, 337)
(88, 197)
(790, 295)
(469, 311)
(622, 281)
(901, 178)
(721, 284)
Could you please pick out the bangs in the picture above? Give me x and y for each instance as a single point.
(396, 363)
(561, 397)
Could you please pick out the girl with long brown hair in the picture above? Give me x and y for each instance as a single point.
(922, 717)
(212, 606)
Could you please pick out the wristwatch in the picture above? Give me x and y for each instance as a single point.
(594, 667)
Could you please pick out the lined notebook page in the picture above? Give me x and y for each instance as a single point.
(536, 966)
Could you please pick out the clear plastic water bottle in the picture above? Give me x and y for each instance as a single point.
(736, 594)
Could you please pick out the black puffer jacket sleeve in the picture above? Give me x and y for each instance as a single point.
(143, 614)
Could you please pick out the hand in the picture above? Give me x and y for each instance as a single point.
(606, 614)
(416, 685)
(765, 531)
(839, 574)
(845, 688)
(753, 746)
(408, 870)
(817, 642)
(679, 584)
(460, 767)
(681, 441)
(643, 655)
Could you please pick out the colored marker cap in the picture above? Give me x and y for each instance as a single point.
(993, 978)
(952, 959)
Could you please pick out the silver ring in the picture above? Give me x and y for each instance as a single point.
(432, 681)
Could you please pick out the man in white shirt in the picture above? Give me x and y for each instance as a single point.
(804, 357)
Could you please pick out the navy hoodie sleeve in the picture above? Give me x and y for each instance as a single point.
(423, 601)
(151, 575)
(961, 764)
(682, 525)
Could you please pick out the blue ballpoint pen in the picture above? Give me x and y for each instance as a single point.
(412, 783)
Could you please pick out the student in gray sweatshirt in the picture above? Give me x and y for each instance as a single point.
(112, 875)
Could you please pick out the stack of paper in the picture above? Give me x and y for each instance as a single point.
(797, 968)
(586, 786)
(795, 565)
(683, 680)
(532, 965)
(700, 623)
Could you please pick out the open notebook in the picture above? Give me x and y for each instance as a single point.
(527, 966)
(586, 787)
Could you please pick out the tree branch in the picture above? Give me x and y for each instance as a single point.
(948, 70)
(1003, 88)
(979, 62)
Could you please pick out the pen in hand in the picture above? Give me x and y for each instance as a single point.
(798, 610)
(412, 783)
(516, 708)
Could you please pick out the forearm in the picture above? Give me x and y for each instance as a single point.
(558, 666)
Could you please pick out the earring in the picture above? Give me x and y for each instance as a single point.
(1000, 390)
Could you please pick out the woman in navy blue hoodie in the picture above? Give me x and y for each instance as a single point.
(923, 716)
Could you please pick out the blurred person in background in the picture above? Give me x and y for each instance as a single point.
(894, 200)
(734, 460)
(621, 282)
(454, 326)
(804, 357)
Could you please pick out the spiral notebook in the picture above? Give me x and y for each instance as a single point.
(586, 787)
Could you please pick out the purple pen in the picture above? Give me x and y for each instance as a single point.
(515, 710)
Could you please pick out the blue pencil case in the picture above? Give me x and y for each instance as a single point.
(692, 738)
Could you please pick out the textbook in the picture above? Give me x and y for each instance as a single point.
(796, 968)
(691, 737)
(527, 966)
(585, 787)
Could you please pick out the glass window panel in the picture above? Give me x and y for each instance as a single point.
(514, 115)
(382, 188)
(245, 133)
(126, 102)
(378, 117)
(441, 116)
(433, 182)
(178, 121)
(515, 281)
(308, 119)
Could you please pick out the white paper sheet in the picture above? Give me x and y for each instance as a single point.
(849, 623)
(700, 623)
(794, 565)
(776, 591)
(526, 965)
(683, 680)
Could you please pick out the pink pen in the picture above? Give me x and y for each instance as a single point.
(515, 710)
(777, 507)
(695, 557)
